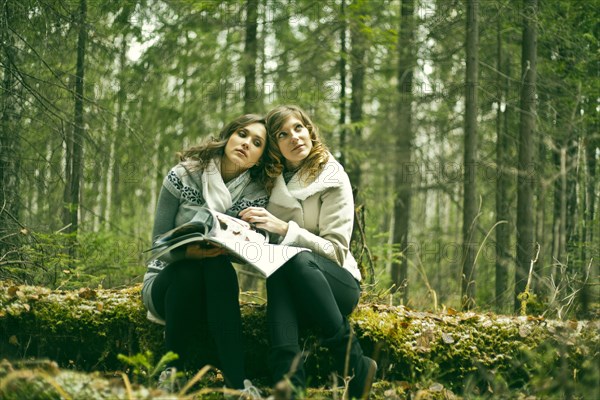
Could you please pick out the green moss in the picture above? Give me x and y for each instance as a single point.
(464, 352)
(468, 351)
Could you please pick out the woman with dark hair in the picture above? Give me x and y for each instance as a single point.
(312, 206)
(195, 292)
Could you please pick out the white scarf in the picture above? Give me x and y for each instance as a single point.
(288, 194)
(220, 196)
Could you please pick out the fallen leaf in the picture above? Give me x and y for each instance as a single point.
(572, 324)
(447, 338)
(391, 394)
(524, 331)
(86, 293)
(13, 340)
(404, 385)
(436, 387)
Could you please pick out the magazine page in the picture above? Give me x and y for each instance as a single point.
(244, 243)
(251, 246)
(169, 245)
(265, 257)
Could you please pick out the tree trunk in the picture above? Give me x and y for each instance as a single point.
(113, 191)
(503, 219)
(527, 145)
(404, 140)
(262, 59)
(542, 267)
(573, 170)
(357, 81)
(438, 229)
(557, 223)
(78, 124)
(588, 244)
(251, 95)
(343, 56)
(470, 158)
(9, 137)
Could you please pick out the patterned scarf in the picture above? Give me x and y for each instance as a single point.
(220, 196)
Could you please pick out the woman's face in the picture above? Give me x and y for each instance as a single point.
(246, 146)
(294, 142)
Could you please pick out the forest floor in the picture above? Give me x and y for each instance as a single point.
(43, 379)
(97, 344)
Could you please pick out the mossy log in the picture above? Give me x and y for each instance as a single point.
(88, 328)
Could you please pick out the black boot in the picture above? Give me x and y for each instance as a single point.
(287, 369)
(349, 359)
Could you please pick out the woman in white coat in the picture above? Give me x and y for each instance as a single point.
(311, 205)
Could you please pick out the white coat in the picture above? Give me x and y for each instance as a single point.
(320, 213)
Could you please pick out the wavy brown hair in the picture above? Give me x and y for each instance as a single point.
(213, 147)
(318, 156)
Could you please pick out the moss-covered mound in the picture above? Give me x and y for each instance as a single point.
(464, 352)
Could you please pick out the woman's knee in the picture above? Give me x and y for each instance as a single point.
(219, 268)
(304, 258)
(186, 272)
(302, 263)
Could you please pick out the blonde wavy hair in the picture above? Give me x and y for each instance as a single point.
(199, 156)
(318, 156)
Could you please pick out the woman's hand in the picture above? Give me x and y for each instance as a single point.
(198, 252)
(264, 220)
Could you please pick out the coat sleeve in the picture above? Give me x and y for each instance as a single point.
(336, 219)
(166, 210)
(164, 218)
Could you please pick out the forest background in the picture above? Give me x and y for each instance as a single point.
(470, 130)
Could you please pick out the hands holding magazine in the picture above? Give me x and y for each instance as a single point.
(211, 233)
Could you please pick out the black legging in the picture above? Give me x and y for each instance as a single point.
(308, 288)
(200, 298)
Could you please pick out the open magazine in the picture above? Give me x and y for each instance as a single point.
(244, 243)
